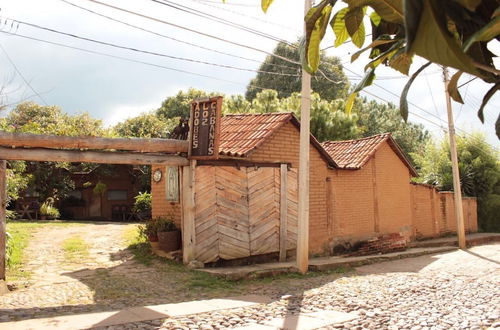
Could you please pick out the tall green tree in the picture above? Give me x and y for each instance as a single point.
(146, 125)
(479, 167)
(180, 104)
(376, 118)
(287, 76)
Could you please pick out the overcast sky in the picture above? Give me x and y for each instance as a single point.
(113, 89)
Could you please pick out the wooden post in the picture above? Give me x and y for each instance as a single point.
(283, 210)
(457, 191)
(303, 219)
(188, 212)
(3, 205)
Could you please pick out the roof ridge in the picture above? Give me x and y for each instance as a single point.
(259, 114)
(386, 134)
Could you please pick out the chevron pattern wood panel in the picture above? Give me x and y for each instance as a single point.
(207, 237)
(292, 216)
(263, 197)
(232, 212)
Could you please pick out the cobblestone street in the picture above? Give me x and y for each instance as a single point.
(455, 290)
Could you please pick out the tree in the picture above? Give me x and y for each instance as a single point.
(285, 77)
(38, 177)
(452, 33)
(377, 118)
(146, 125)
(180, 104)
(479, 167)
(236, 104)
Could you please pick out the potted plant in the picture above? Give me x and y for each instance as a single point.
(169, 236)
(48, 210)
(150, 230)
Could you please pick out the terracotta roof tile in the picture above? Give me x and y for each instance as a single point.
(243, 133)
(354, 154)
(240, 134)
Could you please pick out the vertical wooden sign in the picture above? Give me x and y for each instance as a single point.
(205, 128)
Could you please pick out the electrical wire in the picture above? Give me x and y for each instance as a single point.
(223, 21)
(207, 4)
(151, 52)
(22, 76)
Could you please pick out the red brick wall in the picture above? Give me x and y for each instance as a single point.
(160, 206)
(393, 192)
(284, 147)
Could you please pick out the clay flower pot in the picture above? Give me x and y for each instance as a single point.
(169, 240)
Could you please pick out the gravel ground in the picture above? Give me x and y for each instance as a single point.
(457, 290)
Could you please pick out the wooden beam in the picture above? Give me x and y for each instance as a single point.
(100, 157)
(188, 213)
(21, 140)
(283, 211)
(3, 205)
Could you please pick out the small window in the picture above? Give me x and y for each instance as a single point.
(117, 195)
(75, 194)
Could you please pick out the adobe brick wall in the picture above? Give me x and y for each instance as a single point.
(392, 179)
(284, 147)
(434, 212)
(159, 204)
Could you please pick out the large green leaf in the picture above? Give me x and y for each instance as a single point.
(486, 98)
(366, 81)
(453, 88)
(389, 10)
(387, 55)
(353, 19)
(375, 43)
(338, 26)
(358, 38)
(401, 61)
(265, 4)
(433, 41)
(413, 12)
(403, 102)
(316, 23)
(488, 32)
(469, 4)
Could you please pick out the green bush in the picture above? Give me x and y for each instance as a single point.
(165, 224)
(142, 202)
(488, 209)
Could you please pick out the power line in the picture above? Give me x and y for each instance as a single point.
(171, 38)
(223, 21)
(206, 3)
(21, 75)
(151, 52)
(197, 32)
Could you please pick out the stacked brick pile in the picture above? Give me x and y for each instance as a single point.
(382, 244)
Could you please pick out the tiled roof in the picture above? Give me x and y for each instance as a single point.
(354, 154)
(243, 133)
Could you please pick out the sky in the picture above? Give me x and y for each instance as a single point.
(113, 89)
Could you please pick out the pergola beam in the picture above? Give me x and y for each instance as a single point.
(100, 157)
(23, 140)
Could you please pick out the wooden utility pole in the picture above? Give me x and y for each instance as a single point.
(3, 204)
(303, 209)
(459, 212)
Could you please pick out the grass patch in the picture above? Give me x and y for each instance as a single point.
(75, 248)
(21, 233)
(138, 245)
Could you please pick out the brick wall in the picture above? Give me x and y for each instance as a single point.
(160, 206)
(284, 147)
(434, 212)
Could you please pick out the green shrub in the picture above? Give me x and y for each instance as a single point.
(165, 224)
(142, 202)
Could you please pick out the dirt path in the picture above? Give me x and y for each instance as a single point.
(49, 264)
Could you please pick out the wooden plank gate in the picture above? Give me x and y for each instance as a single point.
(246, 211)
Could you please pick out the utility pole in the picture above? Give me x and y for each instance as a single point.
(459, 212)
(303, 207)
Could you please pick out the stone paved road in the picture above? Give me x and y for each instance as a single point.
(456, 290)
